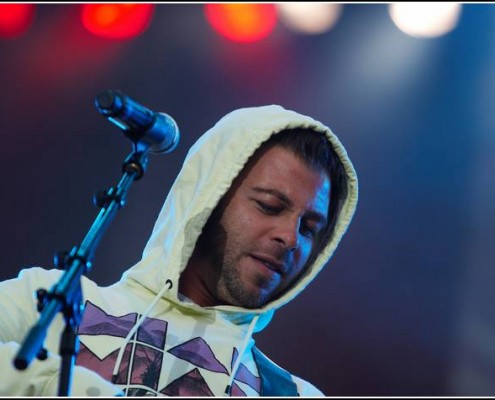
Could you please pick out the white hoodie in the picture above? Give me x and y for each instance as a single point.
(140, 330)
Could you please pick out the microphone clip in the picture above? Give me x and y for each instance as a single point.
(151, 131)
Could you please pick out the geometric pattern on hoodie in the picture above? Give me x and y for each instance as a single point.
(243, 374)
(146, 355)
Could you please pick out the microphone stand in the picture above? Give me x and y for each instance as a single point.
(66, 295)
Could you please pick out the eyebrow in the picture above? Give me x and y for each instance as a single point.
(314, 215)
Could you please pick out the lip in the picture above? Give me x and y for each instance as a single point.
(273, 264)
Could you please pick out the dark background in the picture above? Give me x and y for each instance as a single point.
(406, 305)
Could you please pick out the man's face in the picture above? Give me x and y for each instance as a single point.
(260, 238)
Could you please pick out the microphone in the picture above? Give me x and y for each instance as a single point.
(157, 131)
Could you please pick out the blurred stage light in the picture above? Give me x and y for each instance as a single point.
(425, 20)
(242, 22)
(309, 18)
(117, 21)
(15, 19)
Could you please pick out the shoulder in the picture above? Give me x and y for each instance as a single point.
(35, 277)
(306, 389)
(29, 276)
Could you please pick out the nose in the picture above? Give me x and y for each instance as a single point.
(287, 234)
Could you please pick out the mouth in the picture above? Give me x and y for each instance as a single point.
(270, 263)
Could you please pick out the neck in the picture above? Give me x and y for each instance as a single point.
(195, 282)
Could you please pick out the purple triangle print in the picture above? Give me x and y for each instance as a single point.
(153, 331)
(237, 391)
(197, 352)
(96, 322)
(244, 375)
(190, 384)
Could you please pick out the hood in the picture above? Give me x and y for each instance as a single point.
(210, 167)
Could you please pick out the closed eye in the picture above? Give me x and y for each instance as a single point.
(308, 230)
(267, 208)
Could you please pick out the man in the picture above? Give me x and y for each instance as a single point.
(256, 212)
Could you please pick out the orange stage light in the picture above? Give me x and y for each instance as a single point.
(117, 21)
(242, 22)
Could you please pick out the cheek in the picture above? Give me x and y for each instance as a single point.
(238, 217)
(236, 223)
(305, 248)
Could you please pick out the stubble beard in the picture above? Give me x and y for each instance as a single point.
(225, 255)
(231, 286)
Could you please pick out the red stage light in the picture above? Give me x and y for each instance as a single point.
(117, 21)
(15, 19)
(242, 22)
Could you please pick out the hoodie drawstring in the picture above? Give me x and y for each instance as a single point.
(235, 367)
(168, 285)
(242, 350)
